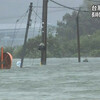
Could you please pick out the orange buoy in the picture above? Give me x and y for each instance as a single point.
(7, 61)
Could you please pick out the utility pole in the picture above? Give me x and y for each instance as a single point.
(27, 28)
(78, 36)
(44, 32)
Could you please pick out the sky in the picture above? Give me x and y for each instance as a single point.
(11, 10)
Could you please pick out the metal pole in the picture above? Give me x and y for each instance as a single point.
(78, 36)
(44, 32)
(1, 57)
(27, 28)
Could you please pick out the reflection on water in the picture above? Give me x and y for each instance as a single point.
(60, 79)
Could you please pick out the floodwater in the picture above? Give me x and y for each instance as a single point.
(60, 79)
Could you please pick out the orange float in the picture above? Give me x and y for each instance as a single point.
(6, 62)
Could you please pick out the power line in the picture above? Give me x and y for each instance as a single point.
(94, 0)
(23, 16)
(52, 7)
(67, 6)
(63, 5)
(48, 7)
(3, 18)
(57, 11)
(37, 14)
(35, 21)
(35, 18)
(54, 11)
(13, 38)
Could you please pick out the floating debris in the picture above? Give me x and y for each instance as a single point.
(85, 60)
(18, 63)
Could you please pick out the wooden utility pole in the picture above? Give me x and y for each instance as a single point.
(27, 28)
(44, 32)
(78, 36)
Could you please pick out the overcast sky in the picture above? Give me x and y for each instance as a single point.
(11, 10)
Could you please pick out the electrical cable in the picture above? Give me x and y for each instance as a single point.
(67, 6)
(35, 21)
(14, 17)
(22, 16)
(13, 38)
(63, 5)
(37, 15)
(52, 7)
(14, 34)
(94, 0)
(61, 10)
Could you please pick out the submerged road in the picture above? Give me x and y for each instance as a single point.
(60, 79)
